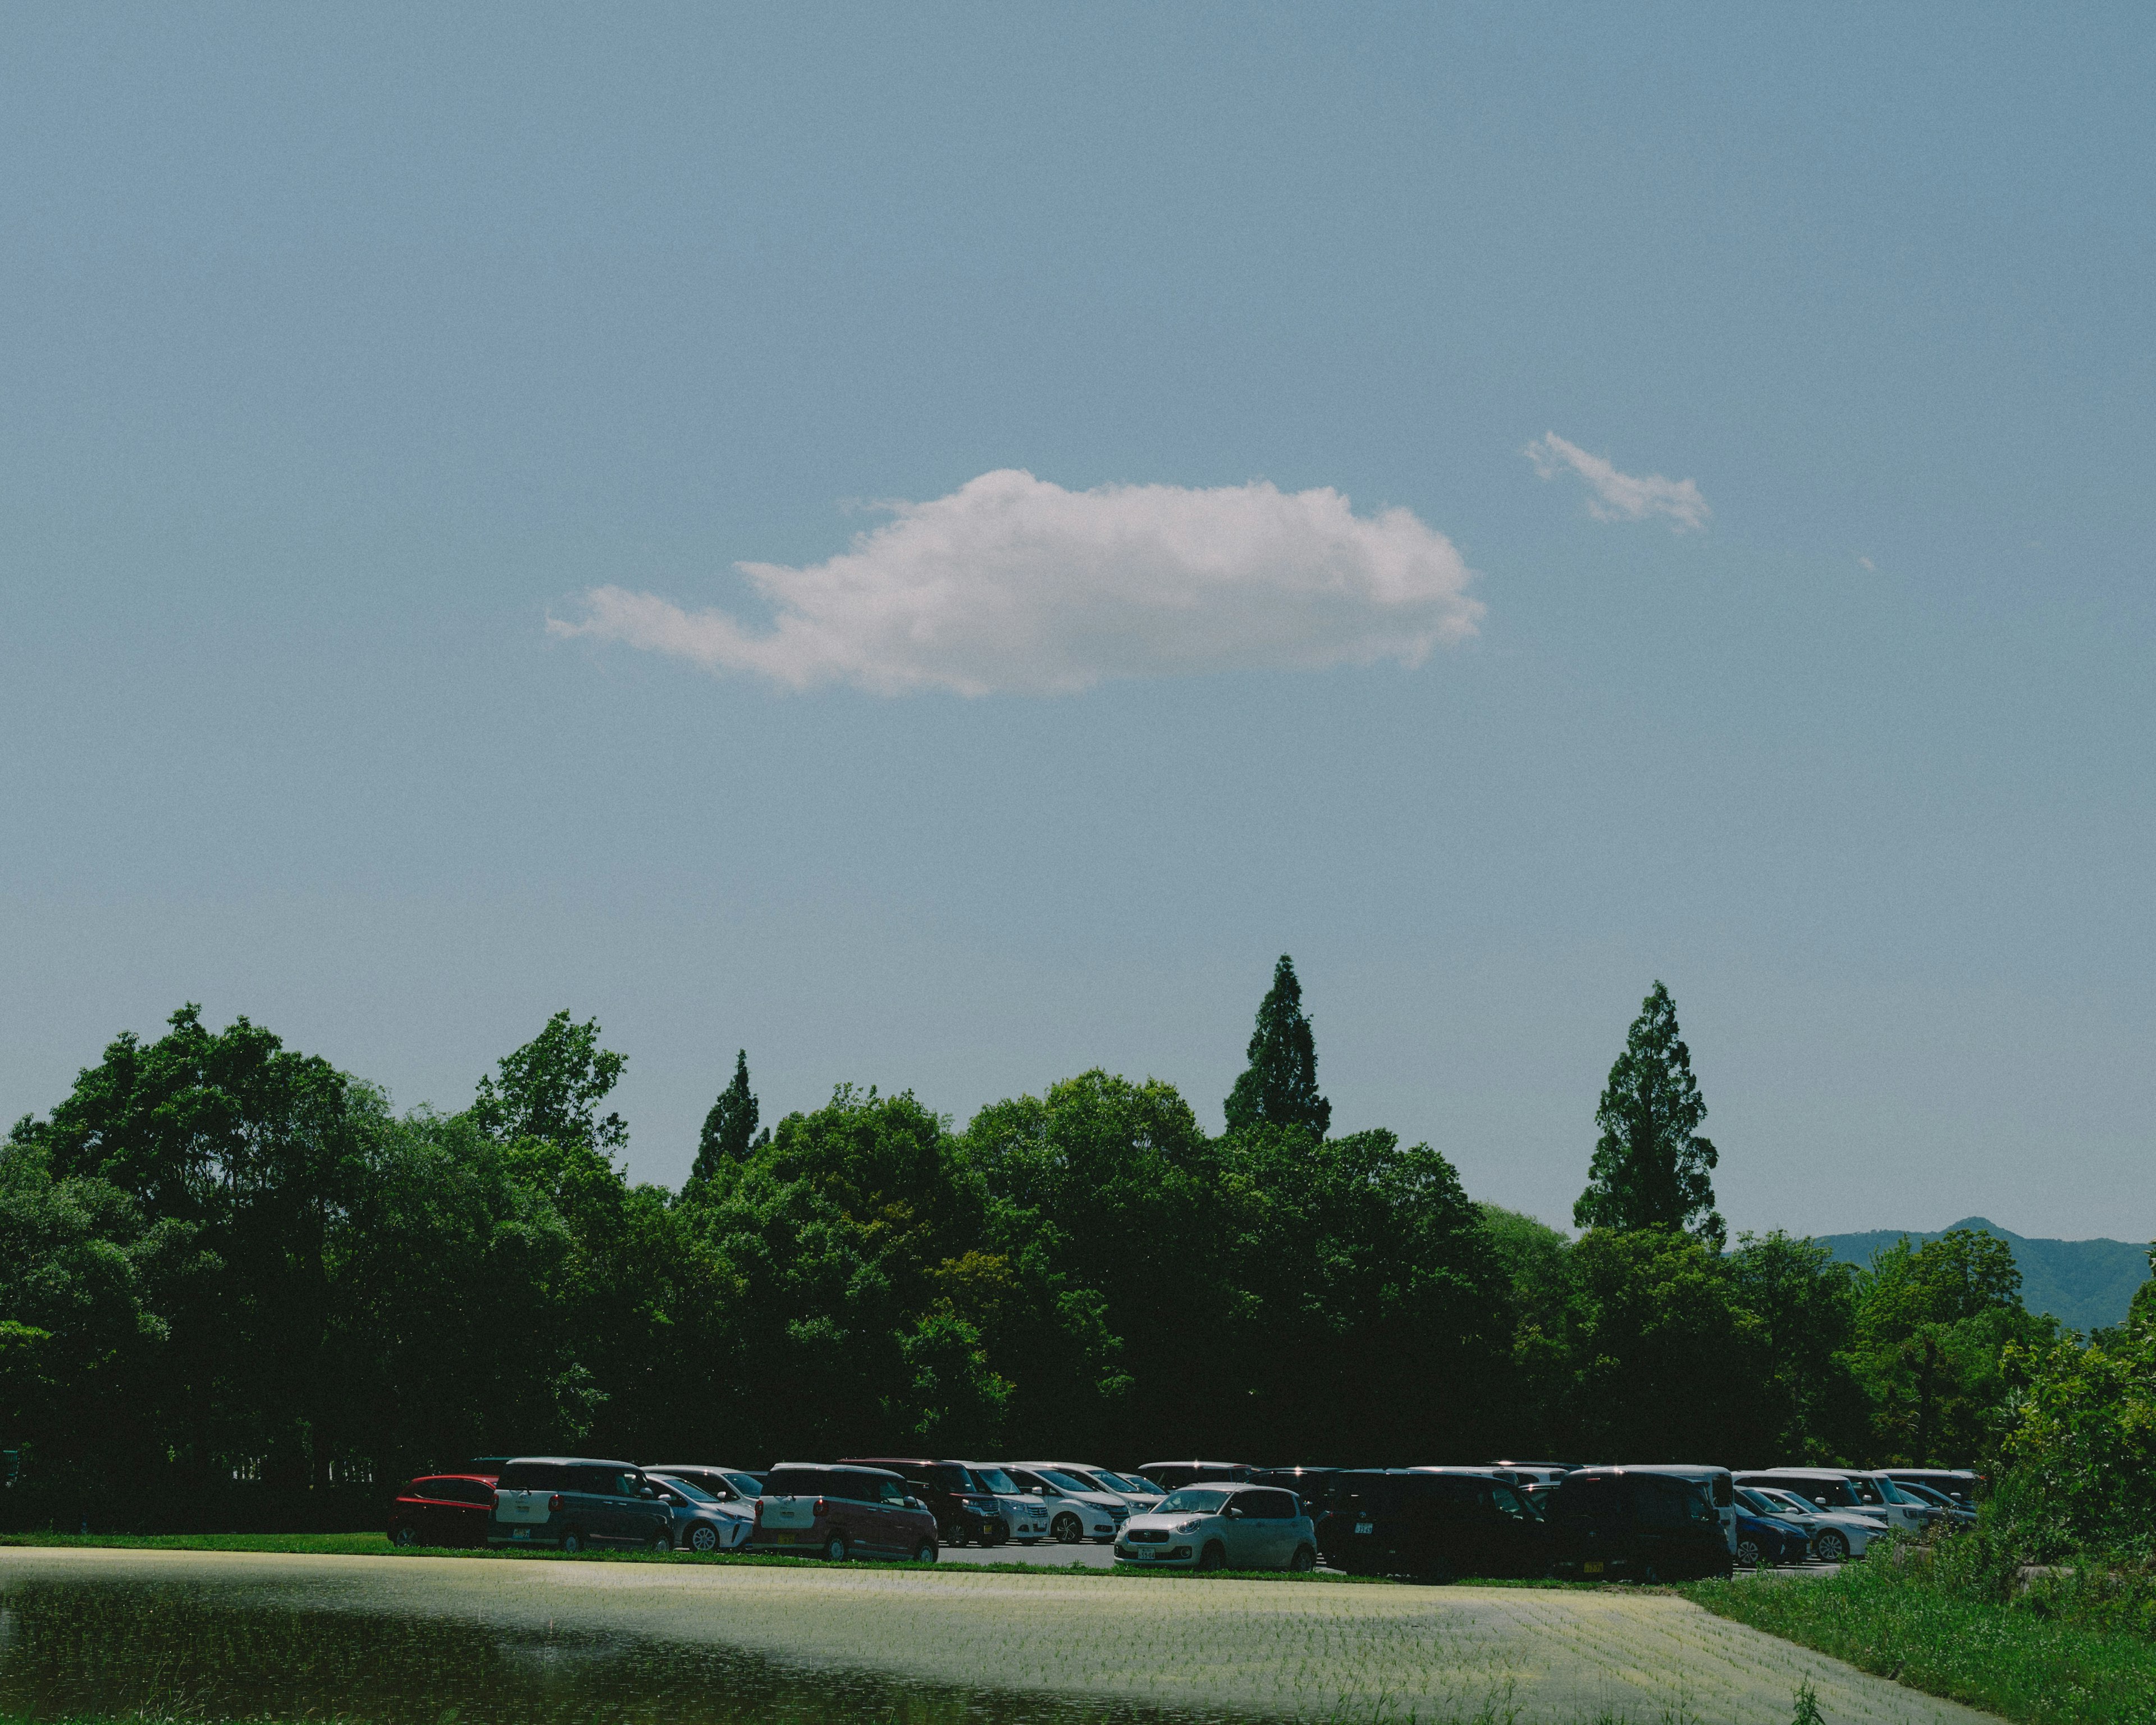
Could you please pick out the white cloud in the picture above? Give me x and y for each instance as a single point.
(1014, 585)
(1619, 496)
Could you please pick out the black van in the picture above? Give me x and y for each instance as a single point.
(572, 1501)
(1643, 1523)
(1435, 1522)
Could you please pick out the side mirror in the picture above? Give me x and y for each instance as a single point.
(647, 1490)
(1231, 1511)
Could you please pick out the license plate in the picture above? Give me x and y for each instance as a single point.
(782, 1539)
(1366, 1527)
(1593, 1567)
(519, 1533)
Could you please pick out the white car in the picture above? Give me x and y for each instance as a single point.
(1132, 1494)
(1075, 1510)
(703, 1521)
(1227, 1525)
(1134, 1489)
(1026, 1514)
(1834, 1534)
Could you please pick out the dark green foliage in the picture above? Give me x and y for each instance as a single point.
(2086, 1284)
(1651, 1167)
(1933, 1326)
(730, 1128)
(550, 1088)
(1279, 1086)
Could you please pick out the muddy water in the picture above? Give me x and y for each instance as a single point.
(131, 1650)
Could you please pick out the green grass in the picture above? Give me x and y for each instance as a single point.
(1984, 1653)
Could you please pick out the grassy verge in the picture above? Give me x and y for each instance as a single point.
(1896, 1622)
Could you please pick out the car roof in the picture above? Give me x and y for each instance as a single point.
(485, 1479)
(1675, 1469)
(570, 1461)
(837, 1467)
(694, 1467)
(1148, 1467)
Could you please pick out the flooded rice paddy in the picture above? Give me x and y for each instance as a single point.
(214, 1636)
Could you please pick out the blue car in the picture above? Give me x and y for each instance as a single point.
(1762, 1540)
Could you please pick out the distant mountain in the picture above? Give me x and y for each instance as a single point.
(2083, 1283)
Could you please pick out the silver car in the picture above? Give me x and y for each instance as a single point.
(1836, 1535)
(1228, 1525)
(703, 1523)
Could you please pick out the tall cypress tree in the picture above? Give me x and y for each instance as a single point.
(1651, 1167)
(1280, 1087)
(730, 1128)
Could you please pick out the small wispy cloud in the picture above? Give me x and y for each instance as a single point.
(1011, 584)
(1867, 565)
(1614, 496)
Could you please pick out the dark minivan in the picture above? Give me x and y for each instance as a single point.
(572, 1501)
(836, 1512)
(965, 1509)
(1643, 1523)
(1432, 1522)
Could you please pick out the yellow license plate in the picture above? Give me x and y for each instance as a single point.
(1591, 1569)
(782, 1539)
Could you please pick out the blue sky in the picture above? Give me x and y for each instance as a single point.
(341, 353)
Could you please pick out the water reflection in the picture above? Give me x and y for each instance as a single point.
(165, 1651)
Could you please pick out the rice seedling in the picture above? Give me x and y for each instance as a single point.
(1186, 1646)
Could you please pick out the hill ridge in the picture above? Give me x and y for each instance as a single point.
(2086, 1284)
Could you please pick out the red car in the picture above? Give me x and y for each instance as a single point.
(443, 1509)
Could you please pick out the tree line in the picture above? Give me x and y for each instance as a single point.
(223, 1258)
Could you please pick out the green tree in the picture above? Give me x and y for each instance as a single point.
(552, 1087)
(2083, 1440)
(1934, 1324)
(1805, 1304)
(730, 1128)
(1280, 1086)
(1651, 1167)
(2144, 1310)
(1666, 1359)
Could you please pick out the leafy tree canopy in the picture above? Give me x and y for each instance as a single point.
(730, 1128)
(1651, 1167)
(1280, 1086)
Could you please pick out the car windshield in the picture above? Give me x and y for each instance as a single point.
(1127, 1482)
(1143, 1484)
(1066, 1482)
(743, 1483)
(688, 1488)
(1897, 1493)
(1191, 1500)
(996, 1479)
(1925, 1494)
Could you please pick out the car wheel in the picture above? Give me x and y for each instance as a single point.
(703, 1537)
(572, 1542)
(1214, 1556)
(836, 1549)
(406, 1537)
(1833, 1547)
(1304, 1561)
(661, 1542)
(1748, 1554)
(924, 1552)
(1066, 1529)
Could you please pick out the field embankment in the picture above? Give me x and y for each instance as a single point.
(2025, 1664)
(1217, 1647)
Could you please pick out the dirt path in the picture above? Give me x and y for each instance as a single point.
(1561, 1657)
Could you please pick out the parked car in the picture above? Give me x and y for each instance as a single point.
(1958, 1483)
(838, 1512)
(1134, 1489)
(1170, 1475)
(966, 1512)
(1836, 1534)
(572, 1501)
(729, 1485)
(1765, 1538)
(1227, 1525)
(1947, 1509)
(1074, 1511)
(1644, 1523)
(1024, 1515)
(1436, 1522)
(1534, 1479)
(1842, 1488)
(1316, 1486)
(443, 1509)
(703, 1523)
(1130, 1496)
